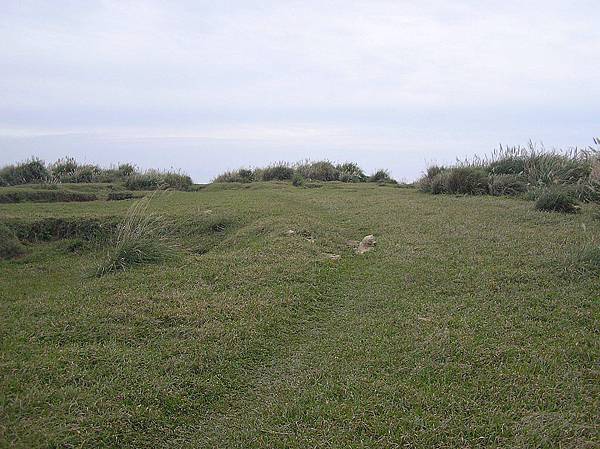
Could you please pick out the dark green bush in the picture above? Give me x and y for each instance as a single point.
(318, 171)
(506, 184)
(63, 167)
(297, 180)
(437, 184)
(350, 172)
(278, 172)
(126, 169)
(509, 165)
(10, 246)
(33, 170)
(119, 196)
(467, 180)
(556, 199)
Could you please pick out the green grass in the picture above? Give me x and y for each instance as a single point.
(469, 325)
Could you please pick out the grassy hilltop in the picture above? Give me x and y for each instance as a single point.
(472, 323)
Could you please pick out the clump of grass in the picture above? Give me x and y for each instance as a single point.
(382, 176)
(351, 172)
(318, 171)
(466, 180)
(242, 175)
(298, 180)
(141, 238)
(32, 170)
(10, 246)
(280, 171)
(158, 180)
(506, 184)
(433, 181)
(556, 200)
(325, 171)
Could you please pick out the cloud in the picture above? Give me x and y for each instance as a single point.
(331, 71)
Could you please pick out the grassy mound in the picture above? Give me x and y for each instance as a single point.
(10, 246)
(44, 196)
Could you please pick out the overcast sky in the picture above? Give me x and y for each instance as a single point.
(211, 85)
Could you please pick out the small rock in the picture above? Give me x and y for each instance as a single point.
(333, 256)
(366, 244)
(290, 232)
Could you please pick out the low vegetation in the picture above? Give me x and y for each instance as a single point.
(68, 170)
(556, 180)
(10, 246)
(119, 196)
(245, 314)
(43, 196)
(324, 171)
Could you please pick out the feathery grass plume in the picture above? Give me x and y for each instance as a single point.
(142, 237)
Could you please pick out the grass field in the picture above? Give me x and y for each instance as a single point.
(470, 325)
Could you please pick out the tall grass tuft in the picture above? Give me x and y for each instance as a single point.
(556, 199)
(141, 238)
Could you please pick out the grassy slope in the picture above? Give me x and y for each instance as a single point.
(465, 327)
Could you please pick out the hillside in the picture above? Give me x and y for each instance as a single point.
(470, 324)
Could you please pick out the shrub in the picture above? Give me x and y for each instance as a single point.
(278, 172)
(63, 167)
(10, 246)
(554, 168)
(506, 184)
(556, 200)
(33, 170)
(508, 165)
(126, 169)
(318, 171)
(466, 180)
(119, 196)
(381, 175)
(141, 238)
(241, 175)
(437, 185)
(297, 180)
(433, 181)
(350, 172)
(586, 191)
